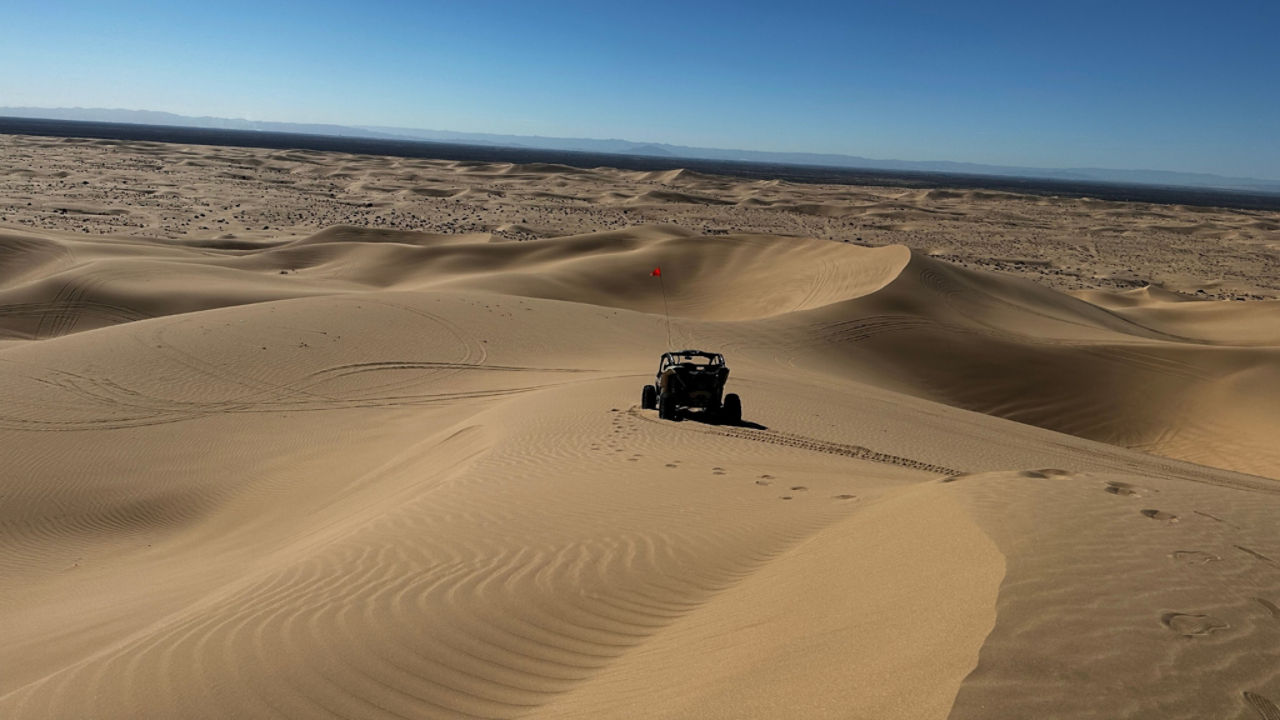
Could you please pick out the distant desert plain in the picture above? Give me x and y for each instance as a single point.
(291, 434)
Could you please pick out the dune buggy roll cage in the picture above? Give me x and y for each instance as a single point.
(689, 359)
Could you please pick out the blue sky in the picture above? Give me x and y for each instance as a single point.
(1159, 85)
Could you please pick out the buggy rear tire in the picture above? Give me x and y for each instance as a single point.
(731, 410)
(666, 407)
(649, 397)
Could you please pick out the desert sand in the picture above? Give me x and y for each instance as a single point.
(293, 434)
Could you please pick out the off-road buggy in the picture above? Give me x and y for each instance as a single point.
(692, 379)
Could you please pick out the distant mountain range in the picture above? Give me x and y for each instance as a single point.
(649, 149)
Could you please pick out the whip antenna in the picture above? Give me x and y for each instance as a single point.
(657, 272)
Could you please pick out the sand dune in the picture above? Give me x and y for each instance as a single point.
(344, 468)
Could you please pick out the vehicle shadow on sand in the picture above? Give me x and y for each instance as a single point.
(710, 419)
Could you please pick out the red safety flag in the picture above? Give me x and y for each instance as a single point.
(657, 272)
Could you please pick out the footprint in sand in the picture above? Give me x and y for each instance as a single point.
(717, 471)
(1269, 607)
(799, 488)
(845, 497)
(672, 465)
(1256, 554)
(1192, 624)
(1266, 709)
(1160, 515)
(762, 482)
(766, 477)
(786, 497)
(1123, 489)
(1194, 557)
(1214, 518)
(1044, 473)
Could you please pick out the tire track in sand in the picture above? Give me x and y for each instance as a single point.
(804, 442)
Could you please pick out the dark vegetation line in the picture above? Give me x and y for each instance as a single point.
(750, 170)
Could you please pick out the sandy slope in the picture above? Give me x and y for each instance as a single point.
(390, 473)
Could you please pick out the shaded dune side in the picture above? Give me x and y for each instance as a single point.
(112, 291)
(1010, 348)
(1254, 323)
(24, 256)
(52, 285)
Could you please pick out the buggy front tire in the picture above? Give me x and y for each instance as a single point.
(649, 397)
